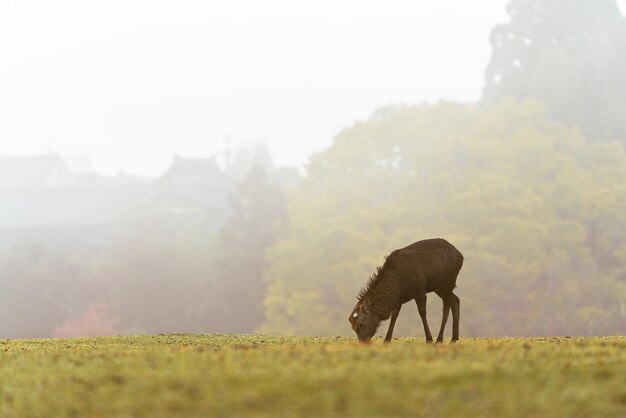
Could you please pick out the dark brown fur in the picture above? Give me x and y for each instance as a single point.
(410, 273)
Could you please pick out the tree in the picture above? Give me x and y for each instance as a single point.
(238, 288)
(533, 206)
(40, 287)
(569, 54)
(94, 321)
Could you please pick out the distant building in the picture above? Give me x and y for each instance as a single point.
(190, 187)
(42, 200)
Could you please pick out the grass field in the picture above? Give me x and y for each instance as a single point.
(260, 376)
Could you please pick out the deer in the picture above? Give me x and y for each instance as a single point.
(409, 273)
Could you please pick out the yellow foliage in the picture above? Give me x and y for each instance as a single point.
(538, 212)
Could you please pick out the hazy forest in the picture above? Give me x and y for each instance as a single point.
(529, 184)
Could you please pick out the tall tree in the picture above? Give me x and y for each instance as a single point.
(238, 288)
(570, 54)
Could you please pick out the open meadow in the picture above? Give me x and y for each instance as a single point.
(262, 376)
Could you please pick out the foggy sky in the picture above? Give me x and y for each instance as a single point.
(133, 82)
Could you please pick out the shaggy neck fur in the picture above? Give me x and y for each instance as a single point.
(381, 293)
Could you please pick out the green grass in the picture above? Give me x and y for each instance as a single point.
(260, 376)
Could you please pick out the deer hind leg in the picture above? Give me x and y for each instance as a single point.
(446, 297)
(456, 314)
(421, 308)
(392, 323)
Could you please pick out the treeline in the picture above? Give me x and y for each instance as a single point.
(538, 211)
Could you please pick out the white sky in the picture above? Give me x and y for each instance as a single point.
(132, 82)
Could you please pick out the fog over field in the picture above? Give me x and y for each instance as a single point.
(245, 166)
(132, 83)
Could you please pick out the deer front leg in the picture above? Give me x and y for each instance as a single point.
(392, 323)
(421, 308)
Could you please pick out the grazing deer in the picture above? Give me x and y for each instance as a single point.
(410, 273)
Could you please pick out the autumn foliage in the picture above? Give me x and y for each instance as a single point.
(94, 321)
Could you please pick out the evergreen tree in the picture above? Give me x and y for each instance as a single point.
(569, 54)
(238, 289)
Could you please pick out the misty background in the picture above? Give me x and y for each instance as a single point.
(244, 167)
(131, 83)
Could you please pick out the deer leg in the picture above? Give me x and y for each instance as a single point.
(446, 297)
(421, 308)
(392, 323)
(456, 313)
